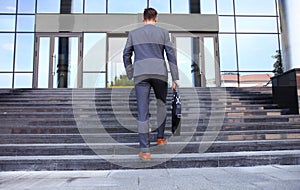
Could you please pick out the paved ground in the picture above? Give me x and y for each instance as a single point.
(240, 178)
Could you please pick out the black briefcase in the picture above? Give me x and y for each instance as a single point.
(176, 114)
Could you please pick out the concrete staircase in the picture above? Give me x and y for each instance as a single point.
(92, 129)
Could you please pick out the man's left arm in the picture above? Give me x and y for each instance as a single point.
(127, 54)
(172, 60)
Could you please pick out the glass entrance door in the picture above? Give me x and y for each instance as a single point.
(47, 59)
(197, 57)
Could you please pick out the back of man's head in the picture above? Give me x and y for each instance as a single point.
(150, 14)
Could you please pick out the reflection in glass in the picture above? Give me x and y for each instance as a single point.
(184, 53)
(256, 24)
(256, 51)
(25, 23)
(7, 23)
(5, 80)
(208, 7)
(132, 6)
(227, 52)
(94, 52)
(52, 6)
(6, 52)
(95, 6)
(210, 62)
(252, 79)
(77, 6)
(229, 79)
(116, 74)
(26, 6)
(44, 59)
(7, 6)
(225, 7)
(94, 80)
(162, 6)
(24, 52)
(180, 6)
(23, 80)
(226, 23)
(255, 7)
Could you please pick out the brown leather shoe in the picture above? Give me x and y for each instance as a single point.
(146, 156)
(162, 141)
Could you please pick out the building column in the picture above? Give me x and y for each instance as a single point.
(290, 29)
(63, 50)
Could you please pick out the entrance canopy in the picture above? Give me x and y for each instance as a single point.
(122, 23)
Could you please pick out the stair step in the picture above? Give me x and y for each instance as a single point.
(187, 112)
(108, 148)
(25, 128)
(95, 162)
(120, 108)
(133, 137)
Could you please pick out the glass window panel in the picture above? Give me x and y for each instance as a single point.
(227, 52)
(94, 80)
(208, 6)
(43, 67)
(95, 6)
(7, 23)
(255, 51)
(52, 6)
(256, 24)
(229, 79)
(255, 7)
(225, 7)
(115, 68)
(209, 61)
(77, 6)
(25, 23)
(6, 51)
(54, 67)
(26, 6)
(24, 52)
(94, 52)
(23, 80)
(184, 53)
(73, 62)
(162, 6)
(7, 6)
(180, 6)
(226, 24)
(253, 79)
(5, 80)
(130, 6)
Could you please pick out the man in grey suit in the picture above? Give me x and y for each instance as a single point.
(149, 70)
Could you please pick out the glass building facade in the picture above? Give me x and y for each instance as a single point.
(248, 37)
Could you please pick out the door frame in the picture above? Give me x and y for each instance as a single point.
(201, 37)
(51, 57)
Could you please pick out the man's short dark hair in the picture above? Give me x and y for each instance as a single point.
(150, 14)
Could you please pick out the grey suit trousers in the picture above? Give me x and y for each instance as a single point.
(142, 90)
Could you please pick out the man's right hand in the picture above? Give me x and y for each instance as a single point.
(174, 85)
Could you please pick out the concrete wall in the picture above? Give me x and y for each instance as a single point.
(290, 18)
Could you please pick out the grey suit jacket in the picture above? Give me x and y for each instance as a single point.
(149, 44)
